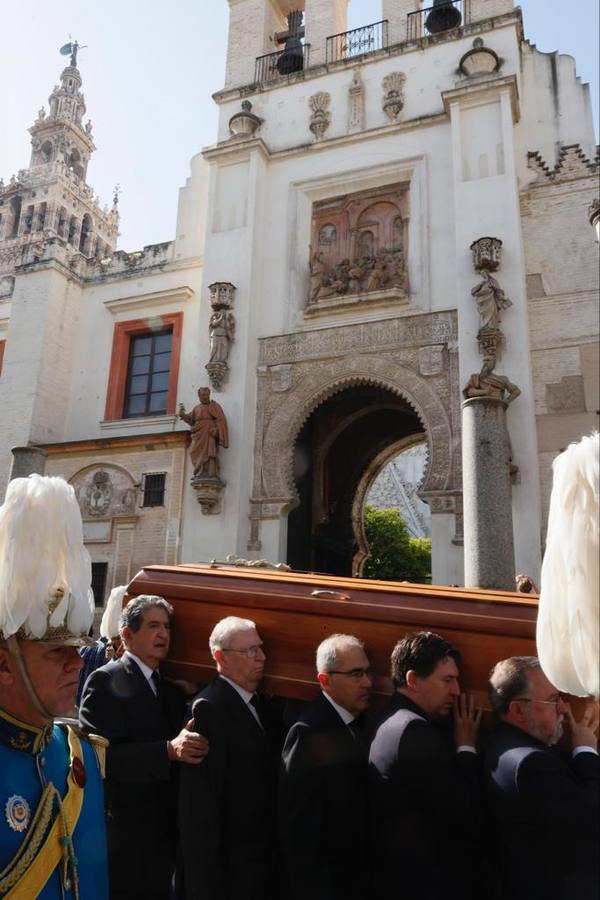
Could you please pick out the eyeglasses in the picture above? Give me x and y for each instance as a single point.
(250, 652)
(357, 674)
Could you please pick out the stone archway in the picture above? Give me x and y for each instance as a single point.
(413, 358)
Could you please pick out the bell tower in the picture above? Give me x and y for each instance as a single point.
(51, 198)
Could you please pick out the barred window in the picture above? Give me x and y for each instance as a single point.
(154, 489)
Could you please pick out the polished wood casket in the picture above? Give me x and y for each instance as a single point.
(295, 611)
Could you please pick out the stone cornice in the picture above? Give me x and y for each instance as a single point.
(150, 440)
(474, 92)
(153, 298)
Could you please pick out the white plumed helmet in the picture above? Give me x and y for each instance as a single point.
(109, 626)
(568, 619)
(45, 570)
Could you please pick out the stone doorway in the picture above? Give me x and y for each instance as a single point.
(336, 447)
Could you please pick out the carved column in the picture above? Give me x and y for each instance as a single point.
(488, 528)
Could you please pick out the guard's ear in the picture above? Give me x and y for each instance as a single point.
(412, 679)
(324, 679)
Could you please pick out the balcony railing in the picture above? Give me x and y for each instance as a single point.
(349, 44)
(266, 66)
(438, 19)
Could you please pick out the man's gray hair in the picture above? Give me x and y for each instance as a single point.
(133, 614)
(329, 650)
(222, 633)
(508, 680)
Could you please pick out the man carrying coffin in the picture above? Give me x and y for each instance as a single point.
(52, 841)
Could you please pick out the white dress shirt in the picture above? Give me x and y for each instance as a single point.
(344, 715)
(146, 671)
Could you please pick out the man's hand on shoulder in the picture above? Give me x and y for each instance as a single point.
(585, 732)
(188, 746)
(467, 720)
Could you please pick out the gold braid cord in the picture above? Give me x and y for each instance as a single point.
(30, 846)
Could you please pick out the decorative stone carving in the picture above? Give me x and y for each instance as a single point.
(208, 426)
(320, 119)
(356, 103)
(489, 296)
(358, 244)
(245, 123)
(488, 384)
(393, 95)
(487, 253)
(324, 361)
(221, 329)
(281, 378)
(105, 492)
(480, 60)
(431, 360)
(98, 495)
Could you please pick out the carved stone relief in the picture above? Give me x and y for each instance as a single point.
(105, 492)
(320, 118)
(318, 364)
(359, 244)
(356, 103)
(393, 95)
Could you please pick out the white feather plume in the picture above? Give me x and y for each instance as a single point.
(568, 623)
(109, 626)
(42, 551)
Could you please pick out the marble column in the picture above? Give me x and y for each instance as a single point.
(27, 461)
(488, 528)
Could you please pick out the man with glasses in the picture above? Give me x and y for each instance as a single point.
(545, 804)
(227, 811)
(323, 817)
(425, 793)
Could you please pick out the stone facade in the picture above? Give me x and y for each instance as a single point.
(464, 152)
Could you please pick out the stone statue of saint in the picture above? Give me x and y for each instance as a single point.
(221, 330)
(491, 300)
(488, 384)
(209, 432)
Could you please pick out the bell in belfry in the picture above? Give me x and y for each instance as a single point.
(292, 57)
(442, 17)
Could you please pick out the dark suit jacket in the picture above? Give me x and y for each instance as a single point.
(141, 783)
(546, 813)
(425, 803)
(323, 816)
(227, 805)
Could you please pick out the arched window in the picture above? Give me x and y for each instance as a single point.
(86, 235)
(73, 226)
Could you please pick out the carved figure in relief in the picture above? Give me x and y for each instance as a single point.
(317, 271)
(393, 95)
(319, 120)
(491, 300)
(488, 384)
(221, 330)
(208, 426)
(378, 277)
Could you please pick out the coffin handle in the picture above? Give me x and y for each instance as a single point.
(330, 595)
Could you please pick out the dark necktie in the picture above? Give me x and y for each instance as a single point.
(156, 681)
(258, 704)
(355, 730)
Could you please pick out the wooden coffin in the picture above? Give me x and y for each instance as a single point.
(294, 612)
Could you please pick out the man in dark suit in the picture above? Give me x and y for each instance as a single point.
(141, 714)
(545, 805)
(424, 781)
(323, 818)
(227, 806)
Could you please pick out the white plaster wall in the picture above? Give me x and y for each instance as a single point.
(191, 212)
(286, 112)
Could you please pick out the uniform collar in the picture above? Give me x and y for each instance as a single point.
(20, 735)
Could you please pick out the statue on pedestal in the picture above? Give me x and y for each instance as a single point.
(488, 384)
(209, 432)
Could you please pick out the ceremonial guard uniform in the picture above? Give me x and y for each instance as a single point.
(52, 836)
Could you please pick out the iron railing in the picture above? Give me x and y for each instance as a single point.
(349, 44)
(437, 19)
(266, 66)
